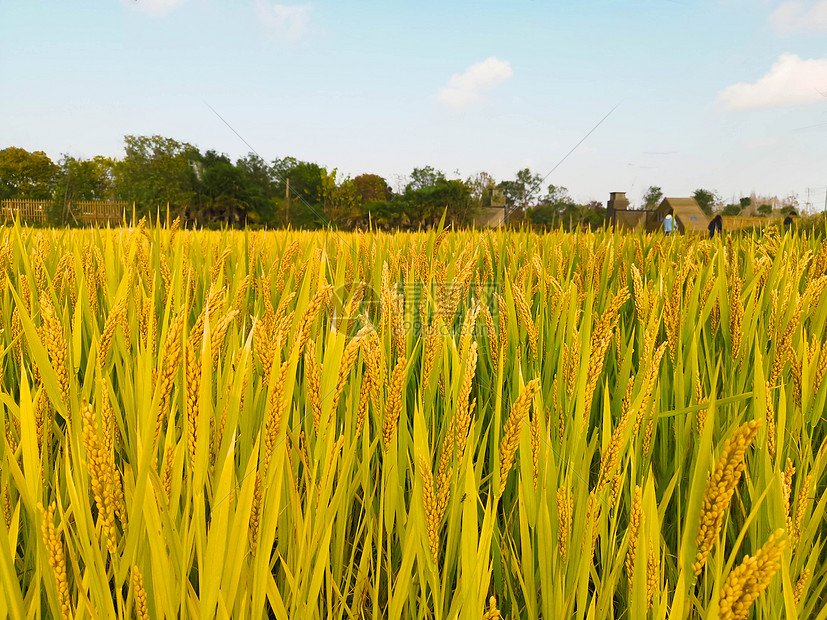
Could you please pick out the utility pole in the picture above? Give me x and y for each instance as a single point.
(287, 200)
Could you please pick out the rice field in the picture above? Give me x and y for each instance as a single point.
(433, 425)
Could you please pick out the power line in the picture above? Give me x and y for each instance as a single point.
(326, 221)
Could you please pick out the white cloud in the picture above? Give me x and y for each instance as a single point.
(467, 88)
(791, 80)
(287, 21)
(800, 15)
(154, 7)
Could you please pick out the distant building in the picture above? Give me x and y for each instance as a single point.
(689, 217)
(492, 210)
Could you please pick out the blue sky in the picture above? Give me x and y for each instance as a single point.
(729, 95)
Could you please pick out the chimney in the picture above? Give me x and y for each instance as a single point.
(617, 202)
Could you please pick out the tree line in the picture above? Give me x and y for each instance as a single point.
(209, 189)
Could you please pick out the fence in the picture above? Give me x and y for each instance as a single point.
(85, 211)
(99, 211)
(735, 222)
(28, 210)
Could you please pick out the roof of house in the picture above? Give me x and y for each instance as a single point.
(687, 212)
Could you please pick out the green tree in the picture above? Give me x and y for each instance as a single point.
(82, 179)
(260, 188)
(372, 188)
(705, 199)
(26, 175)
(523, 191)
(306, 192)
(555, 206)
(765, 209)
(745, 201)
(429, 194)
(731, 210)
(220, 190)
(422, 178)
(479, 184)
(341, 201)
(157, 172)
(652, 197)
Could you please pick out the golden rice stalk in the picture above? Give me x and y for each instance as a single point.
(313, 381)
(375, 365)
(719, 489)
(736, 314)
(787, 487)
(55, 344)
(17, 328)
(166, 471)
(795, 373)
(264, 344)
(364, 402)
(101, 477)
(393, 405)
(534, 422)
(309, 316)
(463, 411)
(672, 314)
(91, 273)
(746, 582)
(652, 576)
(139, 594)
(218, 332)
(169, 366)
(432, 344)
(492, 613)
(565, 508)
(801, 584)
(272, 419)
(212, 304)
(772, 327)
(240, 292)
(38, 269)
(397, 323)
(821, 368)
(255, 514)
(801, 503)
(650, 379)
(511, 430)
(502, 318)
(591, 522)
(42, 419)
(6, 506)
(601, 339)
(707, 290)
(111, 434)
(112, 322)
(429, 502)
(192, 365)
(468, 325)
(771, 432)
(635, 523)
(287, 262)
(715, 317)
(346, 365)
(218, 264)
(57, 560)
(525, 318)
(174, 228)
